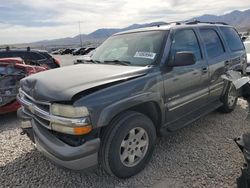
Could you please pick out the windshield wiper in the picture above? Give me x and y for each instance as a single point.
(115, 61)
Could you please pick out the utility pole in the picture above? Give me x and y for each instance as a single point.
(80, 33)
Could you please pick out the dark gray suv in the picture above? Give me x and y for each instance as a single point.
(139, 84)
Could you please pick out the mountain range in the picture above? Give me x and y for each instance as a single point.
(239, 19)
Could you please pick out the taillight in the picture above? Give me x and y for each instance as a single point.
(30, 70)
(45, 66)
(57, 62)
(33, 70)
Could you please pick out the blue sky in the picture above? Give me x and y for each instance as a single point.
(32, 20)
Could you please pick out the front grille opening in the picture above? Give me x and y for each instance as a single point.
(74, 140)
(44, 107)
(43, 121)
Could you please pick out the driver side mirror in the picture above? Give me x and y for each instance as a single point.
(183, 59)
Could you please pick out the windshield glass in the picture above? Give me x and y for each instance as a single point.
(247, 45)
(138, 49)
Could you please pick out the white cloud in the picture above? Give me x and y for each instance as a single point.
(96, 14)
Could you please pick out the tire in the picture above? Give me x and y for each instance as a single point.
(229, 99)
(119, 140)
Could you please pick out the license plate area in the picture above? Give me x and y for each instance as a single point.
(26, 124)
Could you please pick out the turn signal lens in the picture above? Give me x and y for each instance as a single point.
(82, 130)
(72, 130)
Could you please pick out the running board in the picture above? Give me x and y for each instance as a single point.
(166, 130)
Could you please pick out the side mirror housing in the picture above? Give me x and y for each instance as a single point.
(183, 59)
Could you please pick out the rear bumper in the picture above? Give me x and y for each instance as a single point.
(76, 158)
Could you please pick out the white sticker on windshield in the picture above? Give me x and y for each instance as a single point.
(147, 55)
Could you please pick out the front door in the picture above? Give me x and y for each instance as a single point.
(186, 87)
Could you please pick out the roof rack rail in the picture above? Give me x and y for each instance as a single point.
(187, 22)
(167, 23)
(197, 22)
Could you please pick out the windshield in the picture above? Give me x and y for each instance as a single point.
(247, 45)
(138, 49)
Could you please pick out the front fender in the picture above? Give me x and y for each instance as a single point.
(109, 112)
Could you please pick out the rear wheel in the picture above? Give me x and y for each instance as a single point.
(128, 144)
(229, 99)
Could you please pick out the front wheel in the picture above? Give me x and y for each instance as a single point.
(128, 144)
(229, 99)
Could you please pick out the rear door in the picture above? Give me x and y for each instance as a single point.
(186, 87)
(217, 58)
(236, 47)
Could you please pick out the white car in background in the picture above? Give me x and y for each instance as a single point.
(247, 45)
(83, 58)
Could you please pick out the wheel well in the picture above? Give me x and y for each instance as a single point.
(150, 109)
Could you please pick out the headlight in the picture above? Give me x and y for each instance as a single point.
(69, 111)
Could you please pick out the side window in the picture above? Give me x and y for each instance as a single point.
(232, 38)
(212, 41)
(19, 54)
(185, 40)
(35, 56)
(4, 54)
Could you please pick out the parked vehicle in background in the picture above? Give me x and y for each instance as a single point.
(32, 57)
(84, 58)
(12, 70)
(78, 51)
(247, 46)
(57, 52)
(86, 51)
(141, 83)
(67, 51)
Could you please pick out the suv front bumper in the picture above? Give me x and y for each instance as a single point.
(76, 158)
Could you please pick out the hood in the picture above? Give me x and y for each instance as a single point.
(63, 83)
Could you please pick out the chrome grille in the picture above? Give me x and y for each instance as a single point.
(32, 108)
(40, 112)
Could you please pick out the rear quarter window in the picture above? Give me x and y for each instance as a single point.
(36, 56)
(232, 38)
(45, 54)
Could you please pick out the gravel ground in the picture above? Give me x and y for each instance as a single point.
(200, 155)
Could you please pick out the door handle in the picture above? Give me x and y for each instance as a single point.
(204, 70)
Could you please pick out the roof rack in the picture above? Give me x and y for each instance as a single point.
(197, 22)
(188, 22)
(167, 23)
